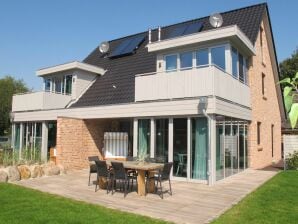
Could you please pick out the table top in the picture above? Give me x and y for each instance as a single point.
(135, 165)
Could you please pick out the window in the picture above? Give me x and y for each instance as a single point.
(68, 84)
(186, 60)
(263, 84)
(171, 62)
(241, 68)
(246, 67)
(259, 133)
(47, 85)
(144, 137)
(58, 86)
(272, 137)
(234, 63)
(202, 57)
(218, 57)
(261, 43)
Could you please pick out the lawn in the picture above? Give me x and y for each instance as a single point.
(23, 205)
(274, 202)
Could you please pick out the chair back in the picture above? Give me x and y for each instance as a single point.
(166, 171)
(102, 170)
(119, 170)
(93, 158)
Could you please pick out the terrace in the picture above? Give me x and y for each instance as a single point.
(190, 202)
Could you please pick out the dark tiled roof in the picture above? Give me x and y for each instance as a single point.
(121, 71)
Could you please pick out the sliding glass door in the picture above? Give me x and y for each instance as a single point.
(180, 147)
(199, 149)
(161, 140)
(144, 137)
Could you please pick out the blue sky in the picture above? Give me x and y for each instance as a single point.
(36, 34)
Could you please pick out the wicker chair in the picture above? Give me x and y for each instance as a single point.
(92, 168)
(103, 171)
(121, 176)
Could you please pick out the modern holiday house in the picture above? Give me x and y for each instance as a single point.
(201, 93)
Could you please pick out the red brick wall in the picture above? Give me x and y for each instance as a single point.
(77, 139)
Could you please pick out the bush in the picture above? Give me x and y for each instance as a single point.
(292, 161)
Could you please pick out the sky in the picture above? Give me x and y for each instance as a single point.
(36, 34)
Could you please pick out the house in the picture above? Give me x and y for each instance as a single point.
(199, 94)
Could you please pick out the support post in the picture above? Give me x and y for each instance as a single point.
(212, 148)
(44, 143)
(152, 138)
(135, 137)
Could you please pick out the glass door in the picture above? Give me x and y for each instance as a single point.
(199, 149)
(144, 137)
(161, 140)
(180, 147)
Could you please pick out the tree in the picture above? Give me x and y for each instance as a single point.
(290, 93)
(289, 66)
(8, 87)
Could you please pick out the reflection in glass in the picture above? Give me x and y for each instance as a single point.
(202, 57)
(219, 151)
(199, 152)
(186, 60)
(218, 57)
(180, 147)
(171, 62)
(161, 140)
(144, 137)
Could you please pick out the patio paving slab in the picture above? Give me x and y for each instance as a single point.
(190, 203)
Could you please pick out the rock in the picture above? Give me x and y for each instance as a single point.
(13, 173)
(3, 176)
(62, 169)
(24, 172)
(36, 171)
(50, 170)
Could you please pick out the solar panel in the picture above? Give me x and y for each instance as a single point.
(178, 31)
(186, 29)
(193, 28)
(128, 46)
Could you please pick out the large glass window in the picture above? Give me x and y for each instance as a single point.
(241, 68)
(58, 85)
(144, 137)
(234, 63)
(171, 62)
(220, 160)
(17, 136)
(186, 60)
(199, 152)
(68, 84)
(218, 57)
(202, 57)
(161, 140)
(47, 85)
(180, 147)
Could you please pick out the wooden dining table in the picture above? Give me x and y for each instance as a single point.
(141, 168)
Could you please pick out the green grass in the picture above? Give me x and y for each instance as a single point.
(23, 205)
(274, 202)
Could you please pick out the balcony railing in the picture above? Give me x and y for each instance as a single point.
(39, 101)
(196, 82)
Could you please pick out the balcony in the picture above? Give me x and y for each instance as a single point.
(39, 101)
(196, 82)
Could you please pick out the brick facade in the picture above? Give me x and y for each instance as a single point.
(265, 107)
(77, 139)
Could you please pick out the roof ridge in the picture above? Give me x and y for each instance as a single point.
(187, 21)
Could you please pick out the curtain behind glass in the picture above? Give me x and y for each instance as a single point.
(200, 148)
(144, 136)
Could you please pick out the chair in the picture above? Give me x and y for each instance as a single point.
(181, 164)
(92, 168)
(102, 171)
(120, 175)
(163, 175)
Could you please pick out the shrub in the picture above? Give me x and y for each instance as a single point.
(292, 161)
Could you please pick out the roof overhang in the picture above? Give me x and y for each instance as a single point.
(70, 66)
(232, 33)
